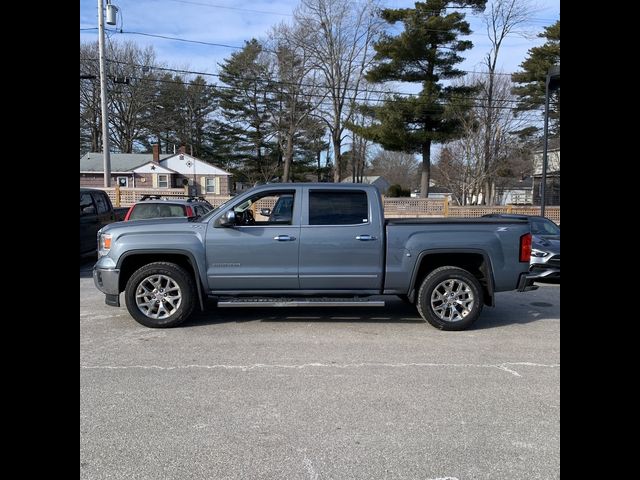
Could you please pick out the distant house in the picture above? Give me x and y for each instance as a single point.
(552, 189)
(148, 170)
(515, 192)
(436, 192)
(378, 181)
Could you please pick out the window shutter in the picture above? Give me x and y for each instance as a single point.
(203, 185)
(216, 185)
(154, 177)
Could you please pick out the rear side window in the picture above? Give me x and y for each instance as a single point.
(156, 210)
(338, 207)
(101, 202)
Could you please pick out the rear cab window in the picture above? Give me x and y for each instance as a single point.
(143, 211)
(102, 203)
(338, 207)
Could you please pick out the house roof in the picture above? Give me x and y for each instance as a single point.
(185, 164)
(435, 189)
(152, 167)
(553, 144)
(120, 162)
(127, 162)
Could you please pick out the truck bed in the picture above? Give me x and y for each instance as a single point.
(449, 220)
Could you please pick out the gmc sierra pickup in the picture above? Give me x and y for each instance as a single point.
(311, 245)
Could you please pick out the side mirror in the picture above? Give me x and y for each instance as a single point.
(228, 219)
(265, 212)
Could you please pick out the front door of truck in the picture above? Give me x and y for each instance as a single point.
(260, 251)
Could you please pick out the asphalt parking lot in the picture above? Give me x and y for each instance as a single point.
(339, 393)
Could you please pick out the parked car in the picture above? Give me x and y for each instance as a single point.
(282, 210)
(96, 211)
(545, 243)
(157, 206)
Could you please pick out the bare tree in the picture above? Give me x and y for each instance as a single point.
(132, 92)
(396, 167)
(338, 35)
(294, 87)
(462, 165)
(501, 19)
(90, 118)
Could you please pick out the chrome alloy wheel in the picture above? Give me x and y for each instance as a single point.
(452, 300)
(158, 296)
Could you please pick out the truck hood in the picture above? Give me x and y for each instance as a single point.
(151, 225)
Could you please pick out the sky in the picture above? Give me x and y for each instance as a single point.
(231, 22)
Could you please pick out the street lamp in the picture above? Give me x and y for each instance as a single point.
(552, 83)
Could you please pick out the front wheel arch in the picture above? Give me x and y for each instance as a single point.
(160, 295)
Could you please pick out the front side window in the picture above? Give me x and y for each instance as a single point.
(338, 207)
(86, 204)
(264, 209)
(163, 181)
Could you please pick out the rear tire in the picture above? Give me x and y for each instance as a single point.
(160, 295)
(450, 298)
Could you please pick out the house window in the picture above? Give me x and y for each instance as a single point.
(211, 185)
(163, 181)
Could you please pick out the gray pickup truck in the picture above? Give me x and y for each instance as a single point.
(311, 245)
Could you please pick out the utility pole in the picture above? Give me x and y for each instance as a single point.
(552, 83)
(103, 99)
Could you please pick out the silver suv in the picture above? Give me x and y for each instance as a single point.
(161, 206)
(545, 243)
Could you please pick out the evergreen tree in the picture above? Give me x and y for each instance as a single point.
(426, 51)
(245, 104)
(532, 80)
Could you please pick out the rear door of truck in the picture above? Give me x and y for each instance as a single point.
(341, 240)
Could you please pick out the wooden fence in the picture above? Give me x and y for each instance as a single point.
(393, 207)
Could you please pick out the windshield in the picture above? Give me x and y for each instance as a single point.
(542, 226)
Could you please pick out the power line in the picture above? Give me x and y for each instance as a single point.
(232, 8)
(278, 82)
(240, 48)
(327, 99)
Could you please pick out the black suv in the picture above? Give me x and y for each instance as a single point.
(162, 206)
(96, 211)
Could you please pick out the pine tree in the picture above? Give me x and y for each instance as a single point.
(245, 102)
(426, 52)
(532, 79)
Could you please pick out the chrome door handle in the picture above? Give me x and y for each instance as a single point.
(284, 238)
(365, 238)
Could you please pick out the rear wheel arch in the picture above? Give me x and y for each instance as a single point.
(476, 262)
(450, 298)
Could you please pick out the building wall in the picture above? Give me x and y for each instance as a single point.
(97, 179)
(553, 161)
(145, 180)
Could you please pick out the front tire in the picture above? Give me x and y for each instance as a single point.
(160, 295)
(450, 298)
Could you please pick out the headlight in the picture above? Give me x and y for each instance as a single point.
(538, 253)
(104, 244)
